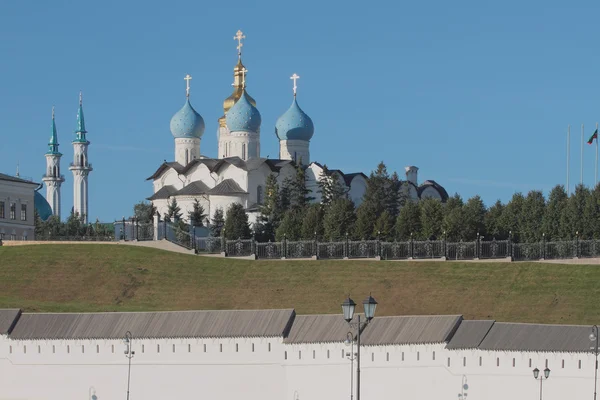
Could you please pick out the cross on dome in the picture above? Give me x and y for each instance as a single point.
(244, 71)
(80, 98)
(295, 77)
(239, 36)
(187, 80)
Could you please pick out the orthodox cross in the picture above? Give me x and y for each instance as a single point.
(239, 36)
(295, 77)
(187, 80)
(244, 72)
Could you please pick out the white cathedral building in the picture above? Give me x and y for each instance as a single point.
(238, 173)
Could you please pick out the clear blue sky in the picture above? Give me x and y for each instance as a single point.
(477, 94)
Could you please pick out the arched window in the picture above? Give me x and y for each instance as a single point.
(81, 160)
(259, 194)
(187, 155)
(243, 151)
(55, 171)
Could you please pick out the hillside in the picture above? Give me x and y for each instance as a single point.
(92, 277)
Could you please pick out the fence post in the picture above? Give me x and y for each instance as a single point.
(137, 228)
(316, 244)
(378, 249)
(124, 231)
(164, 229)
(511, 250)
(194, 239)
(577, 244)
(223, 243)
(156, 221)
(477, 249)
(444, 247)
(543, 246)
(346, 249)
(411, 249)
(284, 245)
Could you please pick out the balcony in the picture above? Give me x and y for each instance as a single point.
(79, 166)
(50, 176)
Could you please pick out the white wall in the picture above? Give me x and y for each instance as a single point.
(312, 371)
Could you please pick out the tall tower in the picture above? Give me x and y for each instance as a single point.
(52, 178)
(187, 127)
(231, 144)
(294, 129)
(80, 166)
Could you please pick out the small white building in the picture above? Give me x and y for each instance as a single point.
(278, 355)
(18, 201)
(239, 172)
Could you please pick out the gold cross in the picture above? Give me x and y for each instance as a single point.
(187, 80)
(244, 72)
(295, 77)
(239, 36)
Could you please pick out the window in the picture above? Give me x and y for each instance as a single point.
(53, 349)
(13, 211)
(372, 356)
(448, 361)
(82, 349)
(205, 348)
(112, 349)
(158, 348)
(418, 355)
(10, 349)
(187, 157)
(387, 356)
(189, 348)
(237, 347)
(434, 356)
(497, 362)
(55, 171)
(285, 355)
(243, 151)
(269, 346)
(259, 194)
(314, 354)
(480, 361)
(68, 349)
(253, 347)
(514, 362)
(546, 363)
(579, 364)
(530, 363)
(2, 210)
(327, 353)
(173, 348)
(221, 347)
(98, 348)
(402, 356)
(563, 363)
(23, 212)
(143, 348)
(464, 361)
(300, 355)
(25, 349)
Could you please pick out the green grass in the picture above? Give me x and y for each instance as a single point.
(93, 277)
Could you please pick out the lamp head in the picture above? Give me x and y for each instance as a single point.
(369, 305)
(536, 373)
(348, 307)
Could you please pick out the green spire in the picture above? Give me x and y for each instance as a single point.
(80, 121)
(53, 143)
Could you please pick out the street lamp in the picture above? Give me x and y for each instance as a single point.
(351, 356)
(594, 338)
(541, 378)
(129, 353)
(348, 307)
(463, 389)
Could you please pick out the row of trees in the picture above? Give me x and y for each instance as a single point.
(387, 213)
(53, 227)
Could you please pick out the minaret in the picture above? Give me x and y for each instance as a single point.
(227, 143)
(52, 178)
(80, 166)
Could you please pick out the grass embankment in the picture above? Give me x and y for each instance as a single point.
(78, 278)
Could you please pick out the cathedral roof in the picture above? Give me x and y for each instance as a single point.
(227, 187)
(196, 187)
(53, 142)
(187, 123)
(4, 177)
(430, 183)
(294, 124)
(243, 116)
(163, 193)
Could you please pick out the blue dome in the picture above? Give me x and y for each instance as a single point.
(294, 124)
(41, 206)
(187, 123)
(243, 116)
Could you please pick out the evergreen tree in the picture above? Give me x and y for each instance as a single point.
(408, 221)
(197, 215)
(512, 217)
(73, 225)
(572, 219)
(339, 219)
(534, 208)
(384, 226)
(299, 193)
(492, 221)
(366, 216)
(453, 222)
(313, 222)
(551, 224)
(144, 212)
(236, 223)
(285, 195)
(591, 215)
(330, 187)
(474, 212)
(173, 211)
(431, 219)
(290, 226)
(38, 224)
(393, 198)
(218, 222)
(270, 211)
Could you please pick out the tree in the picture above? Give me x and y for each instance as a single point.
(591, 215)
(218, 222)
(512, 216)
(299, 193)
(454, 219)
(339, 219)
(144, 212)
(236, 223)
(270, 211)
(366, 216)
(384, 226)
(173, 212)
(551, 222)
(534, 208)
(572, 219)
(290, 226)
(73, 225)
(474, 214)
(313, 222)
(492, 222)
(197, 215)
(431, 219)
(330, 187)
(408, 221)
(285, 194)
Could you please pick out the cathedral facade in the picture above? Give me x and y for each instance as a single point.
(238, 173)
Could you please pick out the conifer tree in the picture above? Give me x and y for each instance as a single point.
(285, 194)
(236, 223)
(144, 212)
(173, 211)
(330, 187)
(591, 214)
(290, 226)
(511, 220)
(551, 224)
(572, 220)
(408, 221)
(299, 193)
(339, 219)
(270, 211)
(384, 227)
(313, 222)
(197, 215)
(534, 208)
(217, 223)
(474, 213)
(431, 219)
(492, 221)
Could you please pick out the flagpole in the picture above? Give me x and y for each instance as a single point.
(581, 181)
(596, 170)
(568, 156)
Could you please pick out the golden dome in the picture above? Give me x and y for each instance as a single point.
(238, 89)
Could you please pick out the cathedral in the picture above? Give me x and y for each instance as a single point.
(238, 173)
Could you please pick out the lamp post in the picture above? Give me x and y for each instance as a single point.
(348, 307)
(594, 338)
(129, 354)
(351, 356)
(463, 388)
(541, 378)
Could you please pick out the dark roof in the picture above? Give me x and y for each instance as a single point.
(227, 187)
(163, 193)
(470, 334)
(196, 187)
(165, 166)
(536, 337)
(319, 329)
(436, 186)
(9, 178)
(410, 329)
(172, 324)
(8, 318)
(349, 177)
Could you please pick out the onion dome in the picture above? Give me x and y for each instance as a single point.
(243, 116)
(187, 123)
(42, 206)
(294, 124)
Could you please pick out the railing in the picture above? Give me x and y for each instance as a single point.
(209, 245)
(270, 250)
(239, 248)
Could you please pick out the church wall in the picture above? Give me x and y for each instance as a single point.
(169, 177)
(430, 193)
(186, 204)
(20, 194)
(200, 172)
(232, 172)
(267, 369)
(224, 202)
(296, 150)
(358, 187)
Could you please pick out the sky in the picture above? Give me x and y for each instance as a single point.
(476, 94)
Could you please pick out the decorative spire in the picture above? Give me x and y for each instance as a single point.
(80, 98)
(80, 120)
(187, 80)
(53, 143)
(17, 175)
(239, 36)
(295, 77)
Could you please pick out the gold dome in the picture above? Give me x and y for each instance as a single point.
(238, 89)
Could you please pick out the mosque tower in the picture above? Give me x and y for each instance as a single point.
(239, 134)
(80, 166)
(187, 127)
(52, 178)
(294, 129)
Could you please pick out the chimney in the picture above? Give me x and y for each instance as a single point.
(411, 174)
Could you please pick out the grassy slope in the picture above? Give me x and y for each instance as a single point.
(123, 278)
